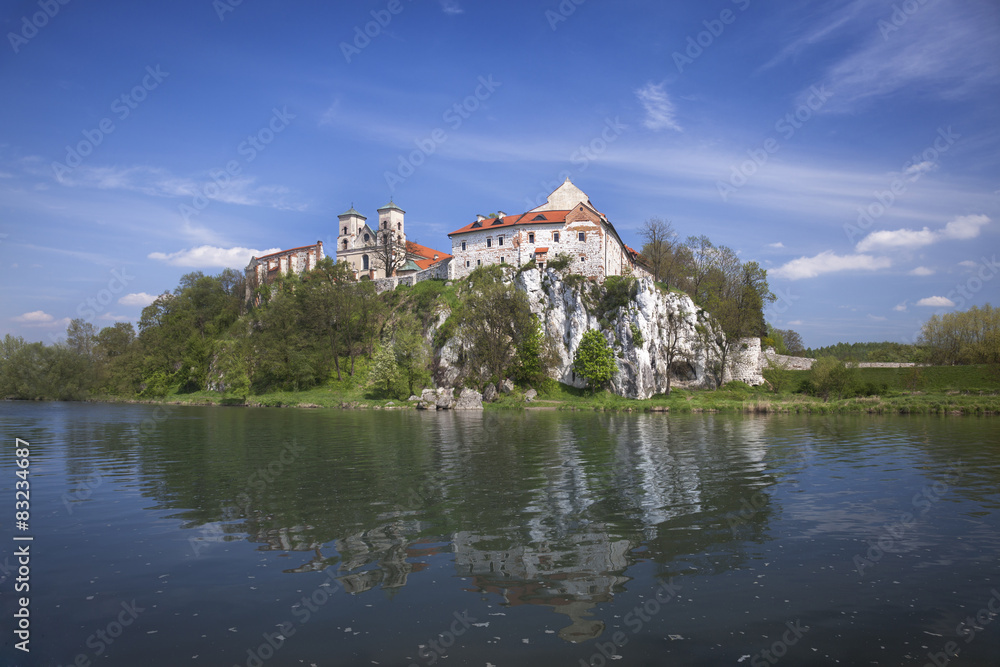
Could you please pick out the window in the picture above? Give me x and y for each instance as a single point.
(555, 237)
(367, 238)
(479, 262)
(583, 259)
(345, 244)
(364, 262)
(503, 260)
(463, 245)
(345, 231)
(531, 237)
(467, 263)
(582, 236)
(500, 240)
(399, 226)
(489, 241)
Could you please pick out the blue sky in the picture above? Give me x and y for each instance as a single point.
(852, 148)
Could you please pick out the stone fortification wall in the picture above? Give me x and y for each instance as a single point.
(745, 362)
(805, 363)
(439, 271)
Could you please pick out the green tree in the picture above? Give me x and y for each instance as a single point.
(384, 372)
(493, 318)
(411, 351)
(534, 356)
(594, 359)
(968, 337)
(832, 377)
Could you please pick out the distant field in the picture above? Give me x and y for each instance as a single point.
(936, 379)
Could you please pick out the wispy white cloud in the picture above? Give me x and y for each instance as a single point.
(779, 244)
(936, 302)
(39, 318)
(142, 299)
(156, 182)
(660, 111)
(922, 271)
(940, 50)
(451, 7)
(204, 257)
(901, 307)
(961, 228)
(828, 262)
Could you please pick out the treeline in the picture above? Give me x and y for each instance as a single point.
(868, 352)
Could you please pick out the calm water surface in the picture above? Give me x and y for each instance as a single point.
(224, 537)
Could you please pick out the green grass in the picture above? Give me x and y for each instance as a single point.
(965, 390)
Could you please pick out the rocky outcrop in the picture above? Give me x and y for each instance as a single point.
(656, 336)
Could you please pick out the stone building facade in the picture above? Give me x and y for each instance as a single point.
(567, 224)
(357, 243)
(264, 270)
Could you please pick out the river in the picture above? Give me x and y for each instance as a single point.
(168, 535)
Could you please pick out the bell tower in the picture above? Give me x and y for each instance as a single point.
(390, 218)
(350, 223)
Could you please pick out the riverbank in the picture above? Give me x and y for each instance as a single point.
(953, 390)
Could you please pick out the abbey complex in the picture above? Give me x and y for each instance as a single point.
(566, 224)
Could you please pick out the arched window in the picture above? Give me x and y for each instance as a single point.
(367, 238)
(345, 244)
(399, 226)
(364, 262)
(345, 231)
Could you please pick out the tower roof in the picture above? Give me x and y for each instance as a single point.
(351, 211)
(391, 206)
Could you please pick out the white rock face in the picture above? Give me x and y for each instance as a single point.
(656, 317)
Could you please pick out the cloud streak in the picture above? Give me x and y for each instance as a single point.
(660, 110)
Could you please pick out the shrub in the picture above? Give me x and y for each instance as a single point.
(637, 339)
(594, 359)
(560, 262)
(833, 377)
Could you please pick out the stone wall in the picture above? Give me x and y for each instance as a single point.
(745, 362)
(439, 271)
(805, 363)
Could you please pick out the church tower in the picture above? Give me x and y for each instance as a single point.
(350, 224)
(390, 217)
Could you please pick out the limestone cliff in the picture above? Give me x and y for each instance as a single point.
(654, 328)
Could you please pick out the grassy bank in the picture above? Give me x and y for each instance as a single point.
(965, 390)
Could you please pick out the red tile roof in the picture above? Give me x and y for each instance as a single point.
(531, 217)
(426, 255)
(541, 250)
